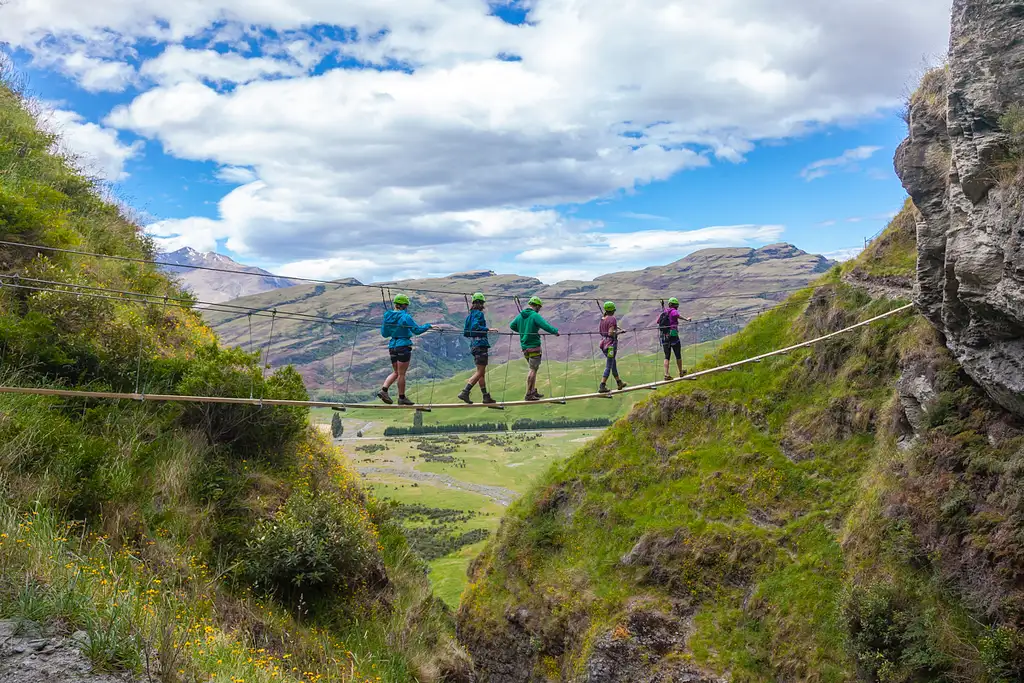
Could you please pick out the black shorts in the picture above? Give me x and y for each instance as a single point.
(672, 345)
(480, 355)
(401, 354)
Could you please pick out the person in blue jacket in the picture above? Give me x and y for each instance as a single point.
(400, 326)
(476, 329)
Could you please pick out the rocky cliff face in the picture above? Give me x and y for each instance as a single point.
(970, 231)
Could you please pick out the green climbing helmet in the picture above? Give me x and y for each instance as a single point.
(535, 301)
(401, 300)
(673, 301)
(479, 296)
(609, 306)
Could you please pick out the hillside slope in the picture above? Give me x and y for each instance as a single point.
(728, 285)
(172, 542)
(844, 512)
(213, 286)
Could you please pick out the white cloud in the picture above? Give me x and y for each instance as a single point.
(650, 246)
(177, 64)
(843, 254)
(97, 150)
(459, 147)
(846, 161)
(93, 74)
(236, 175)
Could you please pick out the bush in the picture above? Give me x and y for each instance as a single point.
(446, 429)
(245, 429)
(337, 426)
(527, 424)
(317, 545)
(892, 635)
(1012, 123)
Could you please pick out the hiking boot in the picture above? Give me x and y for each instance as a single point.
(487, 400)
(622, 385)
(682, 373)
(403, 401)
(668, 378)
(603, 389)
(384, 396)
(464, 397)
(533, 396)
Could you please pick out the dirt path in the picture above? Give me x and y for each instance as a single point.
(500, 495)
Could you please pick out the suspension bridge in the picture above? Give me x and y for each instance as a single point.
(34, 284)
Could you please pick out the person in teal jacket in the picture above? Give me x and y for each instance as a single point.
(401, 328)
(476, 330)
(526, 324)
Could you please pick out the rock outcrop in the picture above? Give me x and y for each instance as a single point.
(970, 233)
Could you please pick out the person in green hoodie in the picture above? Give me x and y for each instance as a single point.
(527, 324)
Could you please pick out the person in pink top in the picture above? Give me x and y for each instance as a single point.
(668, 325)
(609, 347)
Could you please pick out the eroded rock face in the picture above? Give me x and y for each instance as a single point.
(970, 233)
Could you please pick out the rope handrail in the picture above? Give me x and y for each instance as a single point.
(382, 286)
(90, 291)
(72, 393)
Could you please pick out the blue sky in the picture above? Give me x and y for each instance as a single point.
(552, 138)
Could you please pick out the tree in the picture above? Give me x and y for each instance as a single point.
(337, 426)
(417, 419)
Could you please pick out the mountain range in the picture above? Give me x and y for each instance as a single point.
(721, 289)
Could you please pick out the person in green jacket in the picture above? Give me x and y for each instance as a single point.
(527, 324)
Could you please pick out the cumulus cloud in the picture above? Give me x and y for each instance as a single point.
(236, 175)
(177, 64)
(650, 246)
(846, 161)
(470, 129)
(843, 254)
(93, 74)
(97, 150)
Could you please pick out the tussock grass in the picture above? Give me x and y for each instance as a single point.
(1012, 124)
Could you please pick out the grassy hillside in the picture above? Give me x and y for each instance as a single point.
(775, 523)
(185, 542)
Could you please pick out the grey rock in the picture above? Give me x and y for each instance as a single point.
(640, 652)
(25, 657)
(970, 234)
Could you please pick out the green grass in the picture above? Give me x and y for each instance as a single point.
(706, 461)
(165, 626)
(153, 526)
(893, 255)
(772, 507)
(1012, 123)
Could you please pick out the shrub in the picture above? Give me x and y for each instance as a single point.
(1002, 654)
(317, 545)
(1012, 123)
(892, 634)
(244, 428)
(337, 426)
